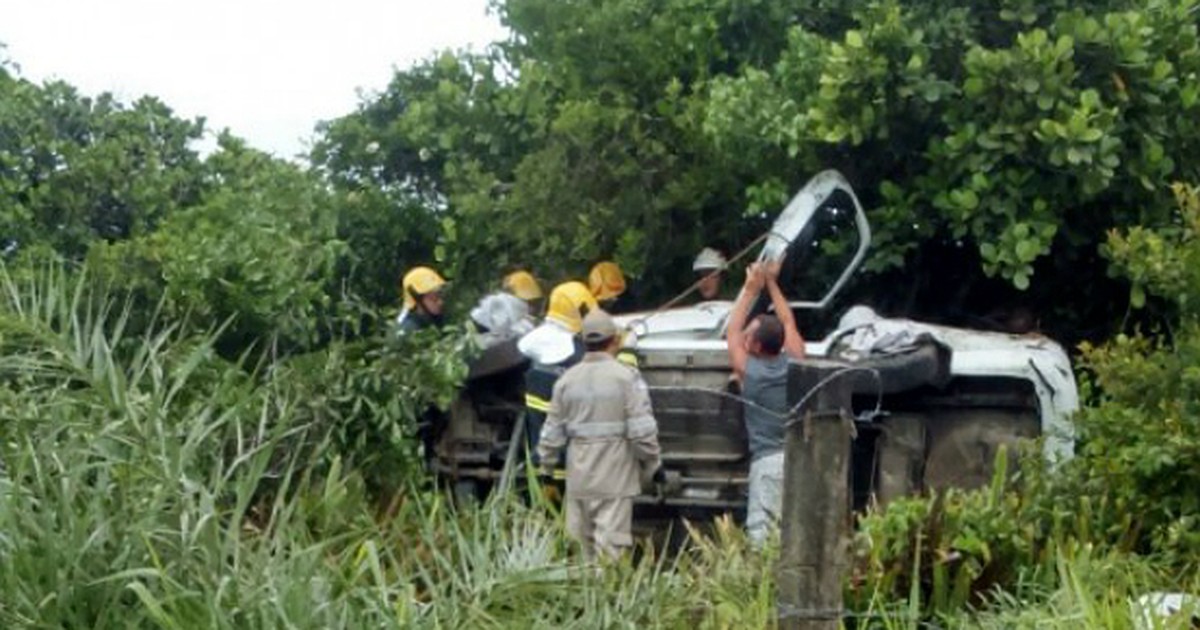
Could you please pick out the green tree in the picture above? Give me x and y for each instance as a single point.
(1141, 441)
(74, 169)
(993, 144)
(577, 140)
(1002, 137)
(390, 160)
(258, 255)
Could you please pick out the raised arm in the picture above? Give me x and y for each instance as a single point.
(793, 342)
(735, 333)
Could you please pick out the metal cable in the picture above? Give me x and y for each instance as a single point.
(696, 285)
(793, 415)
(717, 392)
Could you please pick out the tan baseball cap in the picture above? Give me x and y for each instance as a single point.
(598, 326)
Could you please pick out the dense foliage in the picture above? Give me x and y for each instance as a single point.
(147, 482)
(260, 247)
(1130, 488)
(205, 419)
(74, 168)
(993, 145)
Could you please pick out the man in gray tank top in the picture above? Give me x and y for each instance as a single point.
(759, 354)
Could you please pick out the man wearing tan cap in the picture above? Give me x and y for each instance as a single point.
(601, 407)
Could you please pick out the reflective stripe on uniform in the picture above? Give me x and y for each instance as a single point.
(537, 403)
(641, 427)
(596, 429)
(628, 358)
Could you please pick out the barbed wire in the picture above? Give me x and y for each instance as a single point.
(793, 414)
(717, 392)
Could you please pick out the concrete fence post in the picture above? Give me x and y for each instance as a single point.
(816, 503)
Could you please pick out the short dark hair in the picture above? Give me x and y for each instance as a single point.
(769, 334)
(598, 346)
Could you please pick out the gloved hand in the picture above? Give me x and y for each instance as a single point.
(660, 476)
(543, 470)
(666, 482)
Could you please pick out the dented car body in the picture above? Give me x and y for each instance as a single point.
(956, 397)
(934, 405)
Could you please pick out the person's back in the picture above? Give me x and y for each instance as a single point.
(600, 413)
(600, 396)
(540, 380)
(553, 347)
(765, 385)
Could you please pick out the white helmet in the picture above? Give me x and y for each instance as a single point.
(708, 260)
(502, 314)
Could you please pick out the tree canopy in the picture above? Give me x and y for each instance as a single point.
(191, 345)
(993, 144)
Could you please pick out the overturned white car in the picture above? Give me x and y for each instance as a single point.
(944, 400)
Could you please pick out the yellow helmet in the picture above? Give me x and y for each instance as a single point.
(606, 280)
(419, 281)
(569, 302)
(523, 285)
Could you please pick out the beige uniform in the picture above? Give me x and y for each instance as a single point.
(602, 408)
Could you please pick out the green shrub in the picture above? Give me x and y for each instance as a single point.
(1129, 489)
(1141, 440)
(257, 257)
(367, 396)
(944, 552)
(147, 482)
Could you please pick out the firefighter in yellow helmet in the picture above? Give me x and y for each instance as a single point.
(523, 285)
(607, 283)
(423, 306)
(570, 302)
(553, 347)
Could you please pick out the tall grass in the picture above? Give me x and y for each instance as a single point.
(146, 482)
(1094, 591)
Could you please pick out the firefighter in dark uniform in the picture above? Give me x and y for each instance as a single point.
(553, 347)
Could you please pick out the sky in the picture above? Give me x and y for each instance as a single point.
(269, 70)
